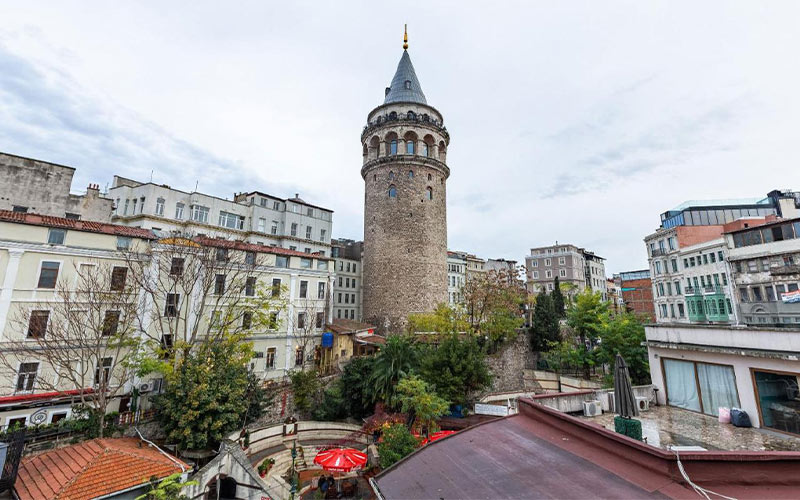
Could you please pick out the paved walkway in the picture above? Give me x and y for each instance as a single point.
(663, 426)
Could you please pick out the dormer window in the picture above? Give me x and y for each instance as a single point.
(407, 84)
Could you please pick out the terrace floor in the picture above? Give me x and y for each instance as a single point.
(663, 426)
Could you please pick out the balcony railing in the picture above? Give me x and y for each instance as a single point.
(658, 252)
(690, 290)
(711, 289)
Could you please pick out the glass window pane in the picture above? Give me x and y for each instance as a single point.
(681, 385)
(778, 396)
(717, 388)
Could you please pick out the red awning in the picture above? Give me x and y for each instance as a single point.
(341, 459)
(28, 398)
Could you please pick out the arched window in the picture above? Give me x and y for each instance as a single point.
(429, 193)
(393, 115)
(391, 176)
(430, 177)
(393, 147)
(411, 116)
(409, 147)
(425, 151)
(392, 191)
(410, 174)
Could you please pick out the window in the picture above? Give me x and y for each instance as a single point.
(56, 236)
(744, 295)
(231, 221)
(102, 372)
(310, 212)
(269, 360)
(179, 210)
(26, 376)
(322, 265)
(777, 394)
(548, 274)
(299, 356)
(247, 320)
(536, 275)
(301, 320)
(712, 257)
(171, 306)
(110, 323)
(219, 284)
(262, 225)
(411, 173)
(429, 193)
(681, 312)
(320, 319)
(281, 261)
(308, 232)
(700, 387)
(159, 206)
(534, 263)
(674, 265)
(705, 258)
(176, 266)
(48, 274)
(392, 192)
(294, 229)
(133, 211)
(322, 234)
(305, 263)
(127, 202)
(273, 321)
(274, 228)
(118, 277)
(563, 260)
(37, 324)
(393, 147)
(671, 242)
(303, 289)
(321, 290)
(752, 266)
(562, 273)
(410, 147)
(250, 286)
(719, 256)
(23, 210)
(276, 205)
(199, 213)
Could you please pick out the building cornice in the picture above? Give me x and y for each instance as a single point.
(407, 160)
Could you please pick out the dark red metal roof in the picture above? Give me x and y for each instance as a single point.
(542, 453)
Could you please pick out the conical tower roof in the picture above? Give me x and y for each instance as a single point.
(405, 86)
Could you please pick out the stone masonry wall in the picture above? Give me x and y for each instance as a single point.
(508, 365)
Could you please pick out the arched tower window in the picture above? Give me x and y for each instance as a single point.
(429, 193)
(410, 174)
(442, 151)
(430, 177)
(411, 142)
(391, 176)
(391, 143)
(427, 145)
(410, 147)
(425, 150)
(393, 147)
(392, 191)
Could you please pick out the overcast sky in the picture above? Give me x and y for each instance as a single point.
(572, 121)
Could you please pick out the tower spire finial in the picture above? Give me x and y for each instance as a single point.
(405, 37)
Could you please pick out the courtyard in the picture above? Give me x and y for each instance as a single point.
(665, 426)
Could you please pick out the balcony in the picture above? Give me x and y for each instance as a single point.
(690, 291)
(658, 252)
(710, 307)
(712, 289)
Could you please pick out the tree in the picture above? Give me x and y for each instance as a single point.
(558, 300)
(397, 443)
(206, 395)
(445, 319)
(307, 321)
(396, 359)
(624, 334)
(545, 328)
(494, 304)
(82, 337)
(305, 387)
(168, 488)
(420, 402)
(455, 368)
(587, 317)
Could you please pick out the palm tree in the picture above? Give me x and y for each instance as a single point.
(395, 360)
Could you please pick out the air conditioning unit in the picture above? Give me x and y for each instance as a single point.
(643, 403)
(145, 387)
(592, 408)
(153, 385)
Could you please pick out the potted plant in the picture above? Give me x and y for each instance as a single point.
(265, 466)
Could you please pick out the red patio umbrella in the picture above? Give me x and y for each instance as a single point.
(341, 459)
(437, 435)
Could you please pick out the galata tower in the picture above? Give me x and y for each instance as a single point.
(405, 204)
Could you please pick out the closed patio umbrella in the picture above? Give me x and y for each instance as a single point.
(624, 401)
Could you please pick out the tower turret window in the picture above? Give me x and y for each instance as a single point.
(430, 177)
(410, 147)
(429, 193)
(391, 176)
(393, 147)
(392, 192)
(425, 149)
(407, 84)
(410, 174)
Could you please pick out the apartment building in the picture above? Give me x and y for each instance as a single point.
(205, 283)
(696, 223)
(476, 267)
(576, 267)
(456, 276)
(255, 217)
(348, 283)
(36, 186)
(766, 272)
(636, 290)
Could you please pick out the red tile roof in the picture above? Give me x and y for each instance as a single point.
(91, 469)
(252, 247)
(348, 326)
(75, 225)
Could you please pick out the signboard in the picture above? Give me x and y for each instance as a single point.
(496, 410)
(791, 297)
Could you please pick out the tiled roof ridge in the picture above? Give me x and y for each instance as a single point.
(89, 462)
(37, 219)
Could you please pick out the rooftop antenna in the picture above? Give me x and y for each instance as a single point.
(151, 176)
(196, 184)
(405, 37)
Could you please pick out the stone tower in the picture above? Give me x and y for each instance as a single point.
(405, 204)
